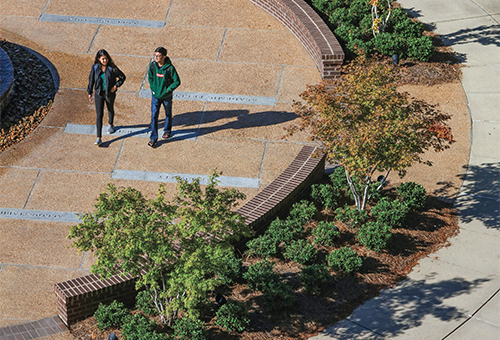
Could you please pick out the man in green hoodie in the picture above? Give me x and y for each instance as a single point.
(163, 80)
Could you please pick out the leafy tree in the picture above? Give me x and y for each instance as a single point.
(367, 126)
(175, 249)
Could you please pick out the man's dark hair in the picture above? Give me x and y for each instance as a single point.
(161, 50)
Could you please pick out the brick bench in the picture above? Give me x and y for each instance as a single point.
(311, 31)
(79, 298)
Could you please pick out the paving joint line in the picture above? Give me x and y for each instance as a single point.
(262, 161)
(44, 9)
(222, 44)
(32, 188)
(168, 12)
(202, 118)
(93, 39)
(44, 267)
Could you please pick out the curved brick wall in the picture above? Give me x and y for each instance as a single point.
(311, 31)
(6, 79)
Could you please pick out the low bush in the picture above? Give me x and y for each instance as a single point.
(325, 195)
(302, 212)
(277, 295)
(232, 316)
(300, 251)
(139, 327)
(260, 273)
(144, 303)
(325, 233)
(111, 315)
(284, 231)
(263, 246)
(339, 181)
(390, 212)
(351, 216)
(412, 194)
(374, 235)
(231, 270)
(187, 328)
(344, 260)
(313, 276)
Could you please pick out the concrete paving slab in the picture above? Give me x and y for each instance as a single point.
(474, 40)
(223, 13)
(475, 329)
(133, 67)
(23, 8)
(245, 121)
(229, 78)
(47, 36)
(486, 139)
(125, 9)
(490, 6)
(482, 177)
(485, 106)
(27, 293)
(277, 157)
(72, 106)
(67, 191)
(294, 81)
(44, 244)
(490, 312)
(443, 11)
(73, 69)
(478, 212)
(197, 158)
(486, 255)
(285, 51)
(16, 186)
(201, 43)
(481, 79)
(49, 148)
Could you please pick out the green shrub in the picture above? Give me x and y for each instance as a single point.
(187, 328)
(339, 180)
(412, 194)
(408, 29)
(313, 276)
(277, 295)
(374, 235)
(231, 269)
(233, 316)
(388, 44)
(283, 231)
(325, 195)
(351, 216)
(300, 251)
(302, 212)
(344, 260)
(420, 48)
(110, 315)
(325, 233)
(390, 212)
(138, 327)
(259, 273)
(144, 303)
(263, 246)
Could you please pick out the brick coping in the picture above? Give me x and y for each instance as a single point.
(317, 38)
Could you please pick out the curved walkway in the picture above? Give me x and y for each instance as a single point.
(454, 293)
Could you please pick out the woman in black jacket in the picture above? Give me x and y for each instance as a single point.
(105, 77)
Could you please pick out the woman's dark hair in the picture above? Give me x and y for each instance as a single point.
(161, 50)
(101, 53)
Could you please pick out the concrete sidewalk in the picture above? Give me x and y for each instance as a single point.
(453, 294)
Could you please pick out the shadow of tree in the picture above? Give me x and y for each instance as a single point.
(479, 199)
(396, 310)
(484, 35)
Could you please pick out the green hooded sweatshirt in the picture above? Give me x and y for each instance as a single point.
(162, 82)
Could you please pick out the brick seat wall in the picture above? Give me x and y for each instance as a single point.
(79, 298)
(310, 30)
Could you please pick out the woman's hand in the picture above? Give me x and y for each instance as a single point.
(91, 98)
(113, 89)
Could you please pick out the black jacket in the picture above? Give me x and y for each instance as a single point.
(113, 75)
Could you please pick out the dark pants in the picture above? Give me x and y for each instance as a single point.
(99, 109)
(155, 113)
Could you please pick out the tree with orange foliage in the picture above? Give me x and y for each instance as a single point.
(367, 126)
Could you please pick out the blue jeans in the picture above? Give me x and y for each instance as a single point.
(155, 113)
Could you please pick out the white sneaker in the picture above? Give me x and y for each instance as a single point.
(111, 129)
(98, 142)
